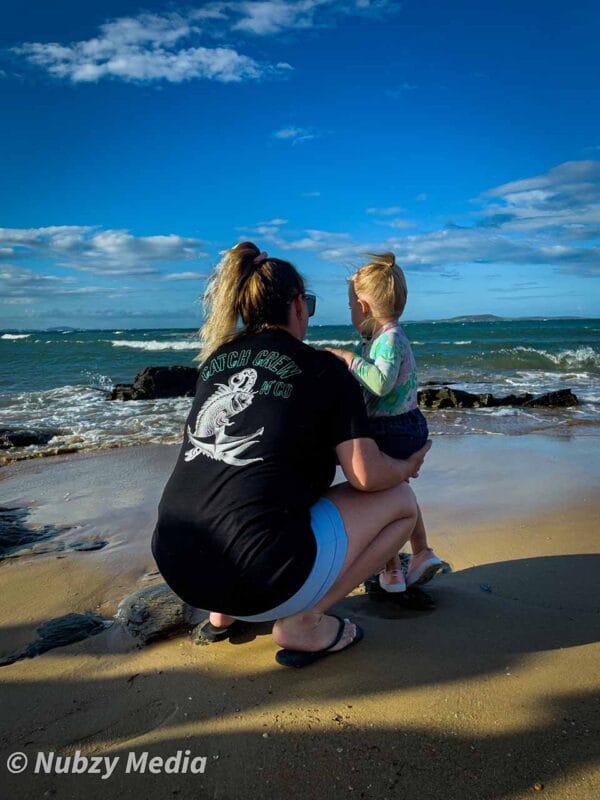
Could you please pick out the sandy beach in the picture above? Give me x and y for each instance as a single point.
(492, 695)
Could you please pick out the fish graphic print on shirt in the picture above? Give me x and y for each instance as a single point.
(215, 416)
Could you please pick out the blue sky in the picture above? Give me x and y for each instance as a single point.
(138, 141)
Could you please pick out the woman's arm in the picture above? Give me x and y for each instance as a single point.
(370, 470)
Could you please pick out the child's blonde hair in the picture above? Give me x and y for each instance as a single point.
(383, 283)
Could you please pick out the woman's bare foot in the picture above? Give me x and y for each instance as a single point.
(220, 620)
(312, 631)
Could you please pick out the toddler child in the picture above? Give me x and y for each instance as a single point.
(387, 371)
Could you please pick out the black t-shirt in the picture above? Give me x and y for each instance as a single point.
(233, 532)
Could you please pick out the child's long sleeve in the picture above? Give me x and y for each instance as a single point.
(379, 372)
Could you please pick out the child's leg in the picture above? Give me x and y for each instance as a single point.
(391, 577)
(418, 540)
(393, 563)
(424, 563)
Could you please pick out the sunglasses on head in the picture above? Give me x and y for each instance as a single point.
(311, 303)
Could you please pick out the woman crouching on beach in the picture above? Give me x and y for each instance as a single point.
(248, 524)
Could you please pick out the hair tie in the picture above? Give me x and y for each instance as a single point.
(262, 256)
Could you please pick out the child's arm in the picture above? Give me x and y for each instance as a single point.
(345, 355)
(379, 373)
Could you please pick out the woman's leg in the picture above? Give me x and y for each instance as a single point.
(377, 525)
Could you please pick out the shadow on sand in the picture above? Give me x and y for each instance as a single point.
(320, 750)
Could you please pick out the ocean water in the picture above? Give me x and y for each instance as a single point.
(59, 378)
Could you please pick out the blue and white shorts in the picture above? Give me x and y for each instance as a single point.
(330, 535)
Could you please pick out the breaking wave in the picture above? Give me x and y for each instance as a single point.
(155, 345)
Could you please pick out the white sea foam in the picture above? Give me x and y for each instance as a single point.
(460, 342)
(86, 419)
(155, 345)
(15, 335)
(331, 342)
(579, 357)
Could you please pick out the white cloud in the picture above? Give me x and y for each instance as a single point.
(172, 46)
(184, 276)
(144, 48)
(19, 285)
(295, 135)
(271, 17)
(563, 202)
(101, 252)
(265, 18)
(385, 212)
(403, 224)
(551, 220)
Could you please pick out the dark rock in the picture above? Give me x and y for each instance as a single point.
(60, 632)
(563, 398)
(21, 437)
(512, 400)
(156, 382)
(88, 544)
(447, 398)
(154, 612)
(122, 391)
(487, 400)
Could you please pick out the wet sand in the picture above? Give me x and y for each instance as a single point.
(489, 696)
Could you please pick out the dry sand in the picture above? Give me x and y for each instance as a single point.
(492, 695)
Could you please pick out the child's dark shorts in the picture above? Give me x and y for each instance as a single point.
(402, 435)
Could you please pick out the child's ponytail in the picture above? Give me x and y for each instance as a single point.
(383, 282)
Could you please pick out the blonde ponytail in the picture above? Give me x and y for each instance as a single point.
(383, 283)
(250, 287)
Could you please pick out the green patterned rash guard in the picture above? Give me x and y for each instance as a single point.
(387, 372)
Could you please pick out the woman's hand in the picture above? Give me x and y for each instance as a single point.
(415, 462)
(369, 470)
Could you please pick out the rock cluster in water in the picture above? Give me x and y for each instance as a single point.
(445, 397)
(156, 382)
(153, 383)
(23, 437)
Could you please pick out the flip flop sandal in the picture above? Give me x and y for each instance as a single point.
(207, 633)
(302, 658)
